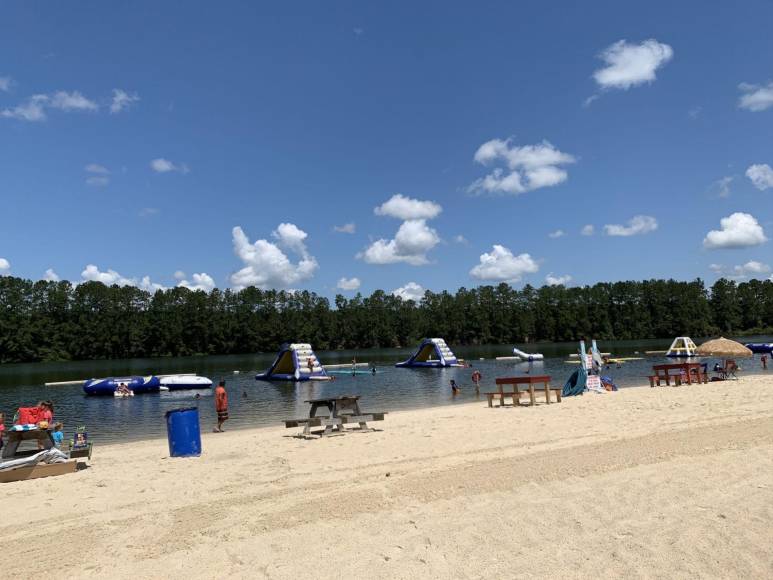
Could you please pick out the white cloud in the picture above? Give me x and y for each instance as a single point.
(96, 168)
(51, 276)
(34, 108)
(502, 266)
(414, 238)
(529, 167)
(161, 165)
(349, 228)
(97, 181)
(460, 239)
(756, 97)
(266, 264)
(348, 284)
(148, 212)
(5, 266)
(751, 269)
(99, 177)
(739, 230)
(629, 65)
(122, 100)
(31, 110)
(93, 274)
(405, 208)
(695, 112)
(761, 176)
(411, 291)
(637, 225)
(588, 230)
(358, 31)
(110, 277)
(551, 280)
(5, 84)
(201, 281)
(148, 286)
(557, 234)
(179, 275)
(723, 186)
(73, 101)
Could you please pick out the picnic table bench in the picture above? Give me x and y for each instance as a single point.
(516, 392)
(343, 410)
(679, 373)
(16, 437)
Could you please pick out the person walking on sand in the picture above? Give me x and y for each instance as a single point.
(221, 406)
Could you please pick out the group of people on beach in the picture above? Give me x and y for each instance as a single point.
(45, 417)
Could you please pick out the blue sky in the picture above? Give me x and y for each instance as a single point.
(135, 136)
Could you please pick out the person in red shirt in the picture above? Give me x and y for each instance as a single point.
(221, 406)
(46, 417)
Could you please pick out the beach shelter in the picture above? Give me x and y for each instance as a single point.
(723, 348)
(432, 353)
(295, 362)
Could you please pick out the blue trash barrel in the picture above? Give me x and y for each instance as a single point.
(183, 432)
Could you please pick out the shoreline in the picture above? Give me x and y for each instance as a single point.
(643, 481)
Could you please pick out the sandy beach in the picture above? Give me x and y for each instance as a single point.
(643, 483)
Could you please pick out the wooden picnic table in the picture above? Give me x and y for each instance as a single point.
(16, 437)
(680, 372)
(342, 410)
(515, 382)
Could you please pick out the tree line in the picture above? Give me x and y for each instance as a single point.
(47, 321)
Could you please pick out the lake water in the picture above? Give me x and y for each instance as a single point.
(256, 403)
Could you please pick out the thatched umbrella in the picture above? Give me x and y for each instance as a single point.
(723, 347)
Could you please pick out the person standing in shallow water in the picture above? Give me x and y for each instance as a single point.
(221, 406)
(476, 377)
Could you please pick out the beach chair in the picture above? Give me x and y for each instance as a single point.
(731, 367)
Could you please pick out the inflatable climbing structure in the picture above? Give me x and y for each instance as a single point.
(432, 353)
(295, 362)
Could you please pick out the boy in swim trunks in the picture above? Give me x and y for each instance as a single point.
(221, 406)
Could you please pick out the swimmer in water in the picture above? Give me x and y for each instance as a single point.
(454, 388)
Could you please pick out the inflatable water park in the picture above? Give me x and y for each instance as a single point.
(138, 385)
(760, 347)
(432, 353)
(295, 362)
(526, 356)
(683, 346)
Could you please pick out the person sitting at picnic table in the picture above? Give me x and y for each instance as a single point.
(221, 406)
(46, 417)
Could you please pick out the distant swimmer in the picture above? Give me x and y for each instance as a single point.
(373, 370)
(455, 389)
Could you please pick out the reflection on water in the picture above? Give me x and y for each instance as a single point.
(256, 403)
